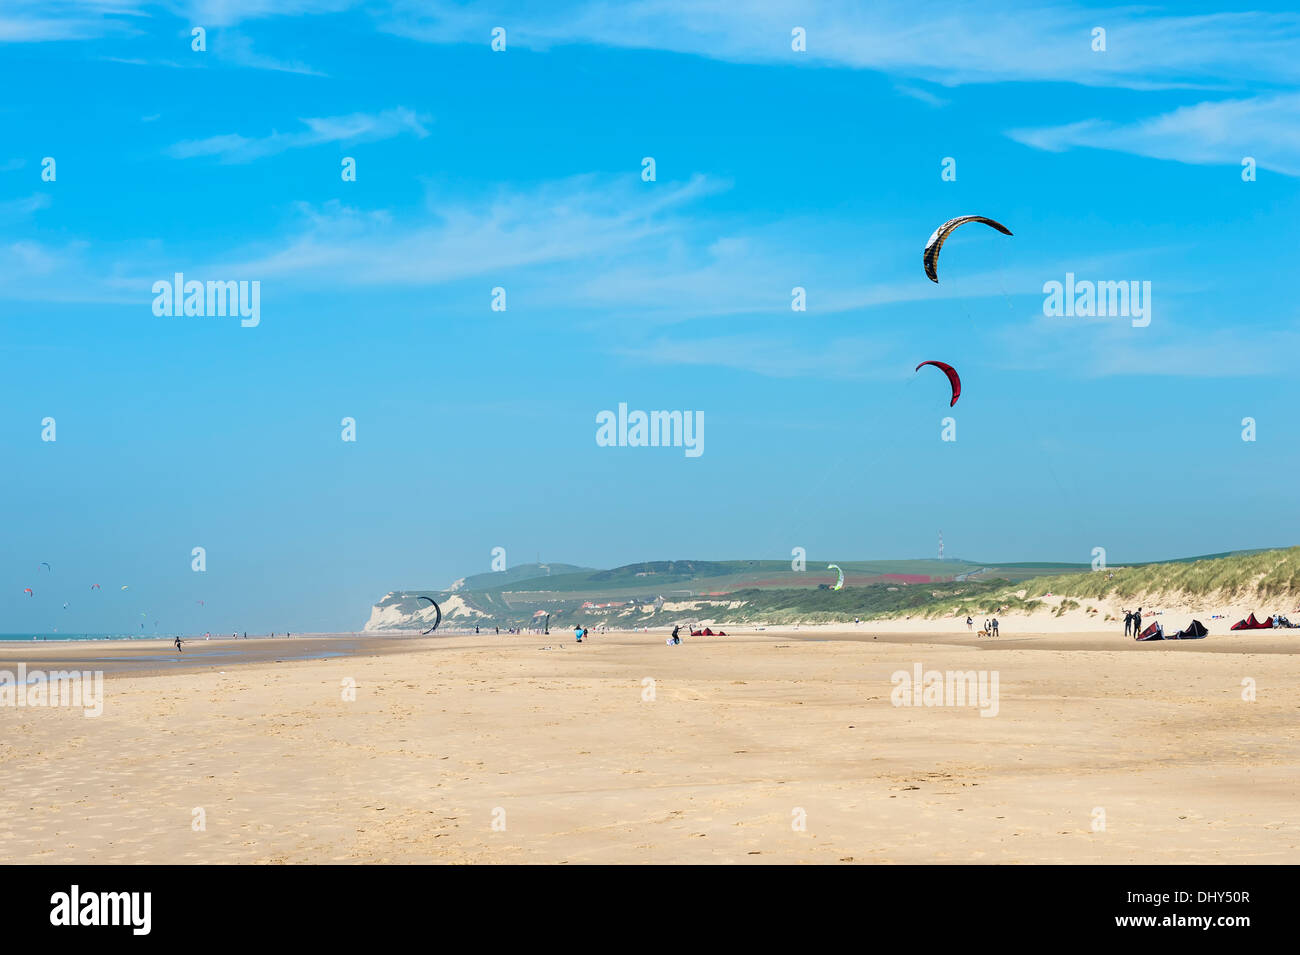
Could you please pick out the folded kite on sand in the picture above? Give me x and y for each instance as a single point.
(1153, 632)
(1250, 623)
(706, 632)
(1193, 631)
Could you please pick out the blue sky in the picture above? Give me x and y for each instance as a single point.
(522, 169)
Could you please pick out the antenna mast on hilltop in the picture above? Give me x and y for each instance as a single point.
(941, 545)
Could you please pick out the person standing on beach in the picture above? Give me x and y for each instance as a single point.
(995, 626)
(970, 624)
(178, 645)
(1137, 621)
(1128, 622)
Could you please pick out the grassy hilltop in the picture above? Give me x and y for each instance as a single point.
(654, 593)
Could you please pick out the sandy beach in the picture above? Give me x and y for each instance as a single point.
(772, 746)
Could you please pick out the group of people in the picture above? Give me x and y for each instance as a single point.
(1132, 622)
(990, 626)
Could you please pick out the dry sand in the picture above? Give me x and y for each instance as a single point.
(745, 735)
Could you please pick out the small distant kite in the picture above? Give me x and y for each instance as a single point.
(65, 606)
(28, 592)
(437, 610)
(840, 584)
(951, 372)
(47, 566)
(199, 602)
(95, 587)
(940, 235)
(125, 587)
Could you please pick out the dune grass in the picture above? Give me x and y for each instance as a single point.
(1267, 575)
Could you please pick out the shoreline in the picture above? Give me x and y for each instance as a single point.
(151, 657)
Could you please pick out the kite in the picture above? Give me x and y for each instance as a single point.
(951, 372)
(125, 587)
(95, 587)
(938, 237)
(47, 566)
(436, 608)
(840, 584)
(28, 591)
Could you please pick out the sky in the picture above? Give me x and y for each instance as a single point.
(794, 146)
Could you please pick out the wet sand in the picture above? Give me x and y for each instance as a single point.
(115, 657)
(761, 747)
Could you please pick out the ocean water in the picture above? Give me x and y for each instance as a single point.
(29, 637)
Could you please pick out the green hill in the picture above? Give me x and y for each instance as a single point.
(652, 593)
(496, 580)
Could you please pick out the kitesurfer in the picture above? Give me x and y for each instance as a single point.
(677, 634)
(1128, 622)
(178, 645)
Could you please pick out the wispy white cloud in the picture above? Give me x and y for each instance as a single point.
(42, 21)
(37, 21)
(924, 95)
(12, 209)
(772, 355)
(1264, 127)
(1170, 347)
(221, 13)
(947, 41)
(70, 272)
(633, 264)
(574, 220)
(552, 236)
(354, 128)
(237, 48)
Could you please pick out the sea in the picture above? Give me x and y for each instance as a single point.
(29, 637)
